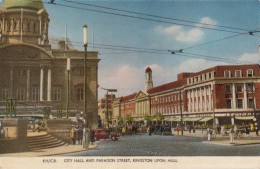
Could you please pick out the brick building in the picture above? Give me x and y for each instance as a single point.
(225, 93)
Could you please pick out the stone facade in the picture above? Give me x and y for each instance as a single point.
(33, 73)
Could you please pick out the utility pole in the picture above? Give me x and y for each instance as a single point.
(107, 114)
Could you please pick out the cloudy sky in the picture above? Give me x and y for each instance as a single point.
(145, 31)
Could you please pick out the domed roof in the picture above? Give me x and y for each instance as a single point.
(29, 4)
(148, 70)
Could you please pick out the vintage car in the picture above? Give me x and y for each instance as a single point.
(102, 133)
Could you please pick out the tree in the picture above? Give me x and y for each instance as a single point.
(158, 117)
(129, 119)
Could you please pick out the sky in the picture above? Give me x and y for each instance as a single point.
(146, 39)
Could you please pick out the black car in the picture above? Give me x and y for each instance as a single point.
(167, 130)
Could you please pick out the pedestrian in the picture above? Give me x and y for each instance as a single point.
(222, 130)
(209, 134)
(246, 129)
(162, 129)
(232, 131)
(2, 133)
(177, 130)
(92, 136)
(218, 129)
(150, 130)
(80, 135)
(123, 131)
(251, 127)
(73, 135)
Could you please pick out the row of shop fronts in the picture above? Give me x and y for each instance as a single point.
(196, 98)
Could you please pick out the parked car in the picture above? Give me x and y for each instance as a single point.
(102, 133)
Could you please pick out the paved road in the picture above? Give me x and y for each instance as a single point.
(156, 145)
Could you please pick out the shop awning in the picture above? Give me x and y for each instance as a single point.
(205, 119)
(191, 119)
(139, 119)
(244, 117)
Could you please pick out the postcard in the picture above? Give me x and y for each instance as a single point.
(129, 84)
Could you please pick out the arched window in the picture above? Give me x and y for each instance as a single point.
(35, 93)
(21, 95)
(57, 93)
(4, 93)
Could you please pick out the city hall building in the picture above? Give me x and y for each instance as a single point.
(33, 73)
(228, 93)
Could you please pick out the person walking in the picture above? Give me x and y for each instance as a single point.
(73, 135)
(80, 135)
(209, 134)
(123, 131)
(150, 130)
(222, 130)
(177, 130)
(246, 129)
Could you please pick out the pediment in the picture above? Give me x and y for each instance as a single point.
(141, 94)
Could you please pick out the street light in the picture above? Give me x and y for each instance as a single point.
(107, 116)
(86, 135)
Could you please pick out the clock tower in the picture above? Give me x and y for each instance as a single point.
(148, 79)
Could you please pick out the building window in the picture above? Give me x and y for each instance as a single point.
(250, 103)
(238, 73)
(35, 93)
(80, 94)
(228, 103)
(239, 88)
(21, 72)
(227, 74)
(250, 87)
(228, 88)
(239, 103)
(4, 93)
(57, 93)
(250, 73)
(21, 94)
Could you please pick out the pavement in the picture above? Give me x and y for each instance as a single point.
(248, 139)
(51, 151)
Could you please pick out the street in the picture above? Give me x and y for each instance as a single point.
(157, 145)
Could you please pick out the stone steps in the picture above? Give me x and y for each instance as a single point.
(43, 142)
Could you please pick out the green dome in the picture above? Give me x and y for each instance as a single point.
(29, 4)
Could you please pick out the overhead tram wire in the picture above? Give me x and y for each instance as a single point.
(150, 15)
(147, 19)
(161, 52)
(217, 40)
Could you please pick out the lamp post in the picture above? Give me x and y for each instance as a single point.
(86, 133)
(107, 115)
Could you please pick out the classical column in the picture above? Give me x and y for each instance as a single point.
(28, 85)
(41, 84)
(11, 83)
(245, 96)
(210, 98)
(234, 96)
(49, 85)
